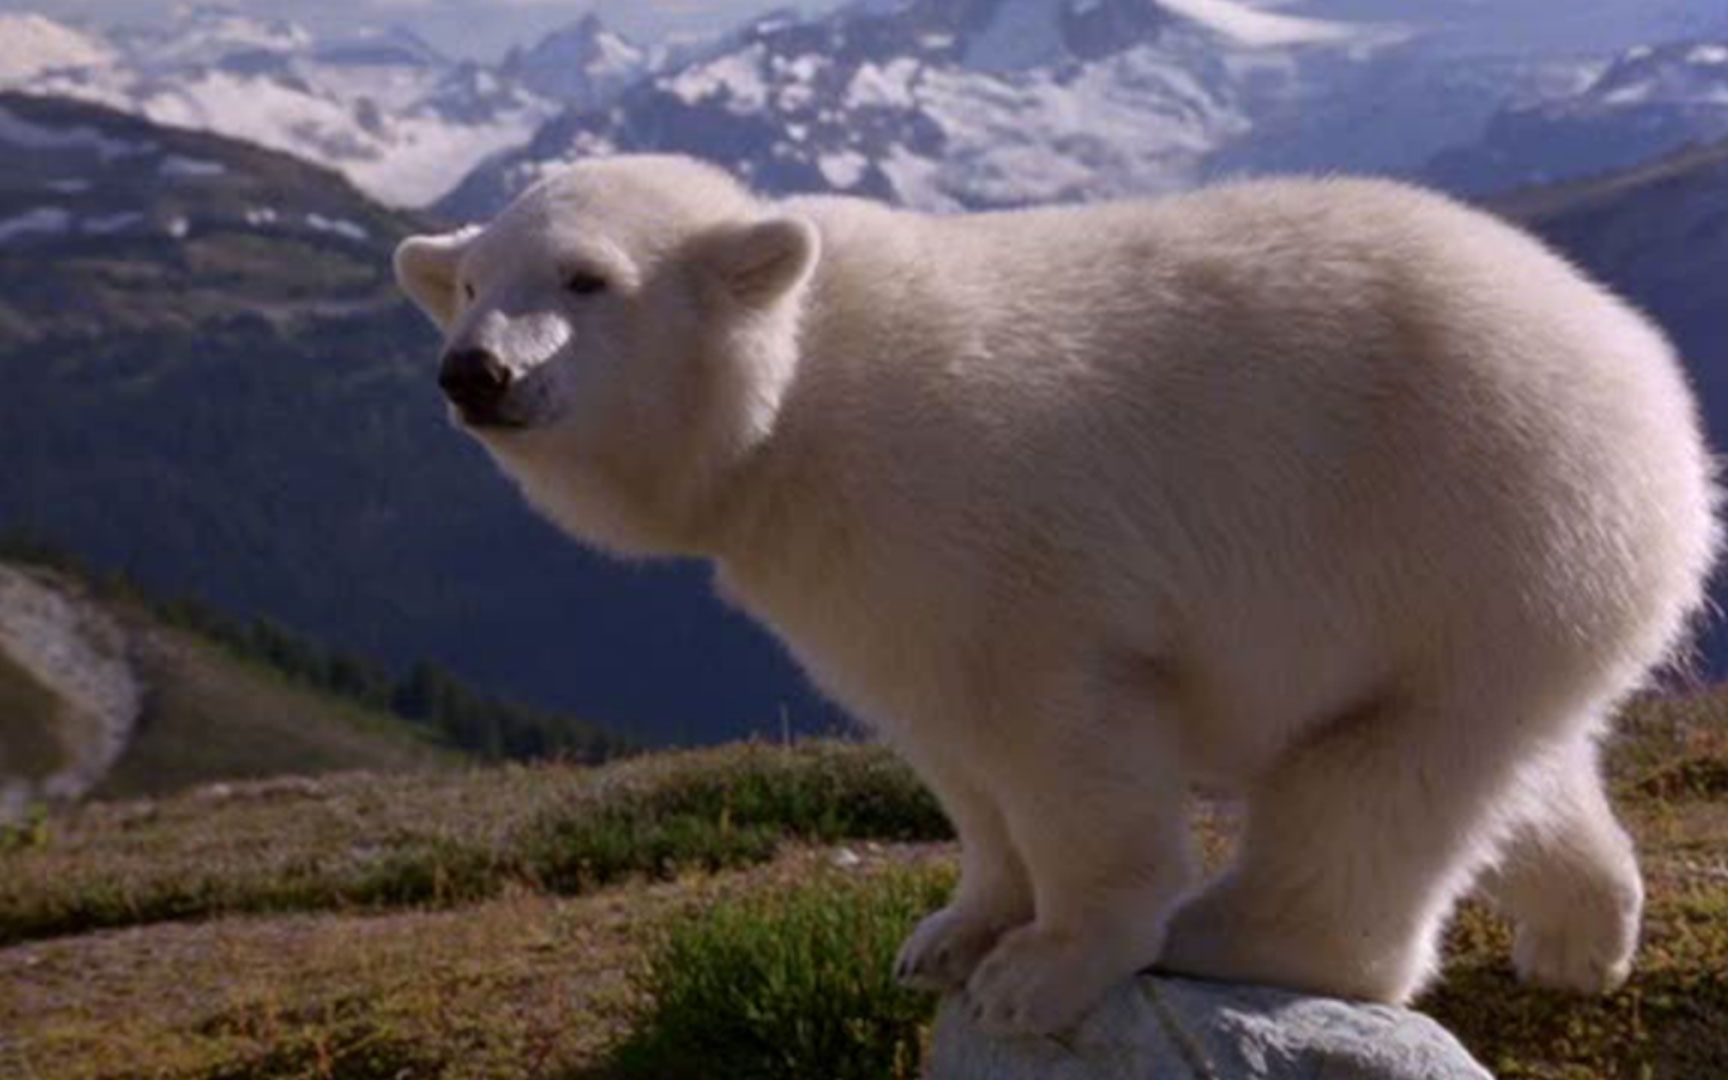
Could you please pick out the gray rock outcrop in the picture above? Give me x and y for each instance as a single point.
(69, 698)
(1182, 1029)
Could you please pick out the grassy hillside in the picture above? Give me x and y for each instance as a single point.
(206, 712)
(730, 913)
(209, 715)
(223, 698)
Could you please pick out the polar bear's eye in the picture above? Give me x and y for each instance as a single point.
(468, 289)
(584, 283)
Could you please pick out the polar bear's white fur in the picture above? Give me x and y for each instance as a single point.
(1332, 494)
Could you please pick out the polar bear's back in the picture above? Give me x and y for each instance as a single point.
(1459, 407)
(1345, 408)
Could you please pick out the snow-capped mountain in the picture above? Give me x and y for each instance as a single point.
(583, 65)
(400, 120)
(207, 35)
(1644, 103)
(932, 103)
(1392, 110)
(956, 103)
(31, 44)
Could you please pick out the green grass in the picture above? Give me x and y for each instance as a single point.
(788, 983)
(731, 810)
(371, 842)
(1670, 1022)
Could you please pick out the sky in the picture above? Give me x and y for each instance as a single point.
(477, 28)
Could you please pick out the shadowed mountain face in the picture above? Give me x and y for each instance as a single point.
(212, 384)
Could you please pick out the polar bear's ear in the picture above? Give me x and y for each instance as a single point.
(761, 262)
(426, 271)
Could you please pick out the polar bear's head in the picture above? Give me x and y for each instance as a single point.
(619, 339)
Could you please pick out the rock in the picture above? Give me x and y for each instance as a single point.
(1183, 1029)
(69, 699)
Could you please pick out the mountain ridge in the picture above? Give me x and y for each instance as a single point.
(388, 110)
(940, 105)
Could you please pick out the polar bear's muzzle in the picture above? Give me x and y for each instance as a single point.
(477, 384)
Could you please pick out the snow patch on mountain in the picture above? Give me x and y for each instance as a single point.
(735, 82)
(111, 224)
(1133, 123)
(401, 121)
(582, 65)
(51, 220)
(175, 165)
(32, 44)
(206, 35)
(340, 226)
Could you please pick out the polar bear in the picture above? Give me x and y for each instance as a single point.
(1331, 494)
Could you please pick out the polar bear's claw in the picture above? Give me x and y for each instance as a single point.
(943, 951)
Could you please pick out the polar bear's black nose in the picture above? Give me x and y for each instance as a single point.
(475, 381)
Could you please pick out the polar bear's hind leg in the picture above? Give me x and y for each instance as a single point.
(1568, 877)
(1358, 842)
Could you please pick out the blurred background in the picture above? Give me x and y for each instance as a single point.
(237, 535)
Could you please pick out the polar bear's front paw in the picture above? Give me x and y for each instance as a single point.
(943, 951)
(1040, 982)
